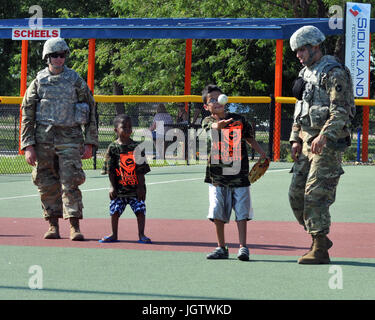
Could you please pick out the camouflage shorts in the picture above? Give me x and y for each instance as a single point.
(119, 204)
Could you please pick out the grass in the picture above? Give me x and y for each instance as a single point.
(14, 164)
(18, 164)
(8, 139)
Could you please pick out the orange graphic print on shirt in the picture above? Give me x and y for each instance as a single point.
(229, 149)
(127, 169)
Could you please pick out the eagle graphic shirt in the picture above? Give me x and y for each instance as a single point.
(227, 149)
(121, 160)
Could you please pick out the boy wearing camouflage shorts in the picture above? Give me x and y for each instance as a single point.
(227, 171)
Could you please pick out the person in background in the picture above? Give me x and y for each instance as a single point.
(159, 128)
(182, 115)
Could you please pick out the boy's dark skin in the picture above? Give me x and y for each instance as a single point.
(124, 130)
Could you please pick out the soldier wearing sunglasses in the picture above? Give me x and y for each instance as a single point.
(58, 129)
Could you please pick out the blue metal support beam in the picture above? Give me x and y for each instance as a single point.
(174, 28)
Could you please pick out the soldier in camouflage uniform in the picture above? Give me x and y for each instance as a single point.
(227, 170)
(58, 130)
(320, 133)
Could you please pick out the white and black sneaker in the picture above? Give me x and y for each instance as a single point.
(243, 254)
(219, 253)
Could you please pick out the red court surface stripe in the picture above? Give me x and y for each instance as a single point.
(351, 240)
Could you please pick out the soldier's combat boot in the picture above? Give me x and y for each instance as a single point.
(329, 244)
(53, 231)
(75, 233)
(318, 253)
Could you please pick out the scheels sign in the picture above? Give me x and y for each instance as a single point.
(357, 46)
(35, 31)
(35, 34)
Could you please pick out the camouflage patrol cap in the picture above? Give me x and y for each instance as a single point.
(54, 45)
(306, 35)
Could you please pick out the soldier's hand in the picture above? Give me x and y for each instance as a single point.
(318, 144)
(296, 150)
(30, 155)
(87, 153)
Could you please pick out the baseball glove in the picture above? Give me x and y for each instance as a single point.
(258, 169)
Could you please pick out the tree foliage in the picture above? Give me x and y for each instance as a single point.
(156, 66)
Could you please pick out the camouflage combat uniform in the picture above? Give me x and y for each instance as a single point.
(54, 110)
(326, 108)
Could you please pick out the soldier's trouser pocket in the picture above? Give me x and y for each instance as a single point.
(296, 192)
(71, 172)
(45, 175)
(58, 174)
(71, 176)
(320, 191)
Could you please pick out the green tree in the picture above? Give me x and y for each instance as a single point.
(156, 66)
(10, 51)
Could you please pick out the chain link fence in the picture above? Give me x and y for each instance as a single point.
(184, 143)
(10, 161)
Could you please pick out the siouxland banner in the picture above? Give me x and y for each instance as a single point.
(357, 46)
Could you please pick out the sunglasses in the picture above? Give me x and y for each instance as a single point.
(212, 100)
(56, 55)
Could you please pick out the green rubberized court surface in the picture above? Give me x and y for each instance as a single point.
(179, 193)
(176, 269)
(131, 274)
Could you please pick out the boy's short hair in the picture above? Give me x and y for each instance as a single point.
(208, 89)
(121, 118)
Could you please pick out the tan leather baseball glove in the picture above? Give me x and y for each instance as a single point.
(258, 169)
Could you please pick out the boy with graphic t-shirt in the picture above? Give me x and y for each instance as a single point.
(126, 167)
(227, 171)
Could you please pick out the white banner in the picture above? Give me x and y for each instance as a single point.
(35, 34)
(357, 46)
